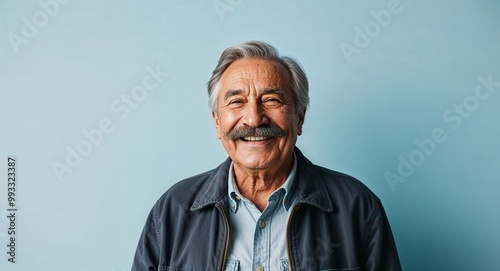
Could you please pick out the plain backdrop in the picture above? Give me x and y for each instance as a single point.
(104, 106)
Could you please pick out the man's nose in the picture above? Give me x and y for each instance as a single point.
(254, 114)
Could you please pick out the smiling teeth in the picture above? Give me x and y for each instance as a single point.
(254, 138)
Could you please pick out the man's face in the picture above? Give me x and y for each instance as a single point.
(256, 93)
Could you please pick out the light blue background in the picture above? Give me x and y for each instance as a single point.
(364, 114)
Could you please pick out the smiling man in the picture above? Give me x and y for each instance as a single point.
(266, 207)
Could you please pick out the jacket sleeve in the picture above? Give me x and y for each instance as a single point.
(148, 250)
(380, 249)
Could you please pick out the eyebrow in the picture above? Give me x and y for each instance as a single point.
(274, 91)
(235, 92)
(231, 93)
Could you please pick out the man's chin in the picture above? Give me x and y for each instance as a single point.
(254, 161)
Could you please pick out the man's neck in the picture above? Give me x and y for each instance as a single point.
(258, 184)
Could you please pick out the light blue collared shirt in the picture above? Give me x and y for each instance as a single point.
(258, 240)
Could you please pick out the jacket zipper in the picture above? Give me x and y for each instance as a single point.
(287, 239)
(227, 237)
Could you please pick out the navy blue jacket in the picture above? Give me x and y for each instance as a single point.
(337, 224)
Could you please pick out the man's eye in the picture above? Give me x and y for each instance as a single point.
(272, 101)
(235, 101)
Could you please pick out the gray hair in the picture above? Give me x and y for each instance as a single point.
(259, 49)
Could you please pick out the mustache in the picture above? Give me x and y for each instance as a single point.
(268, 130)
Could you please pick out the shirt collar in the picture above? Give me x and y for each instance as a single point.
(308, 185)
(289, 196)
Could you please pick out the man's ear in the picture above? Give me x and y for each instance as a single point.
(217, 124)
(302, 116)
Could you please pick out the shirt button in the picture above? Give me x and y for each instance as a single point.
(262, 224)
(238, 198)
(259, 268)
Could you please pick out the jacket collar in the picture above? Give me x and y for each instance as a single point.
(308, 183)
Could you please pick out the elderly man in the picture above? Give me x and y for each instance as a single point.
(266, 207)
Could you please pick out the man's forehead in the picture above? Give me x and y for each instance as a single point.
(253, 68)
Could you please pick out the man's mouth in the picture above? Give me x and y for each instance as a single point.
(255, 138)
(255, 134)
